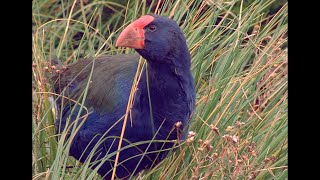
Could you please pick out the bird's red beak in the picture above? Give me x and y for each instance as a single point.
(133, 35)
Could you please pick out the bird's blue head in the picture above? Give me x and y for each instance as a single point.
(156, 38)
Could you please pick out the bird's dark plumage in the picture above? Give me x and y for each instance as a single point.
(170, 99)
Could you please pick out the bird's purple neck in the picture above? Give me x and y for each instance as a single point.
(162, 94)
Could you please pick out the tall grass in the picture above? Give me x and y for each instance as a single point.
(239, 62)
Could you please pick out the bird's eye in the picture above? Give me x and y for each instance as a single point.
(152, 28)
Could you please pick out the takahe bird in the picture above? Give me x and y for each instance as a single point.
(165, 95)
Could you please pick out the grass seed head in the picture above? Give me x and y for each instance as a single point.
(230, 128)
(178, 124)
(191, 134)
(190, 140)
(239, 124)
(215, 129)
(206, 143)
